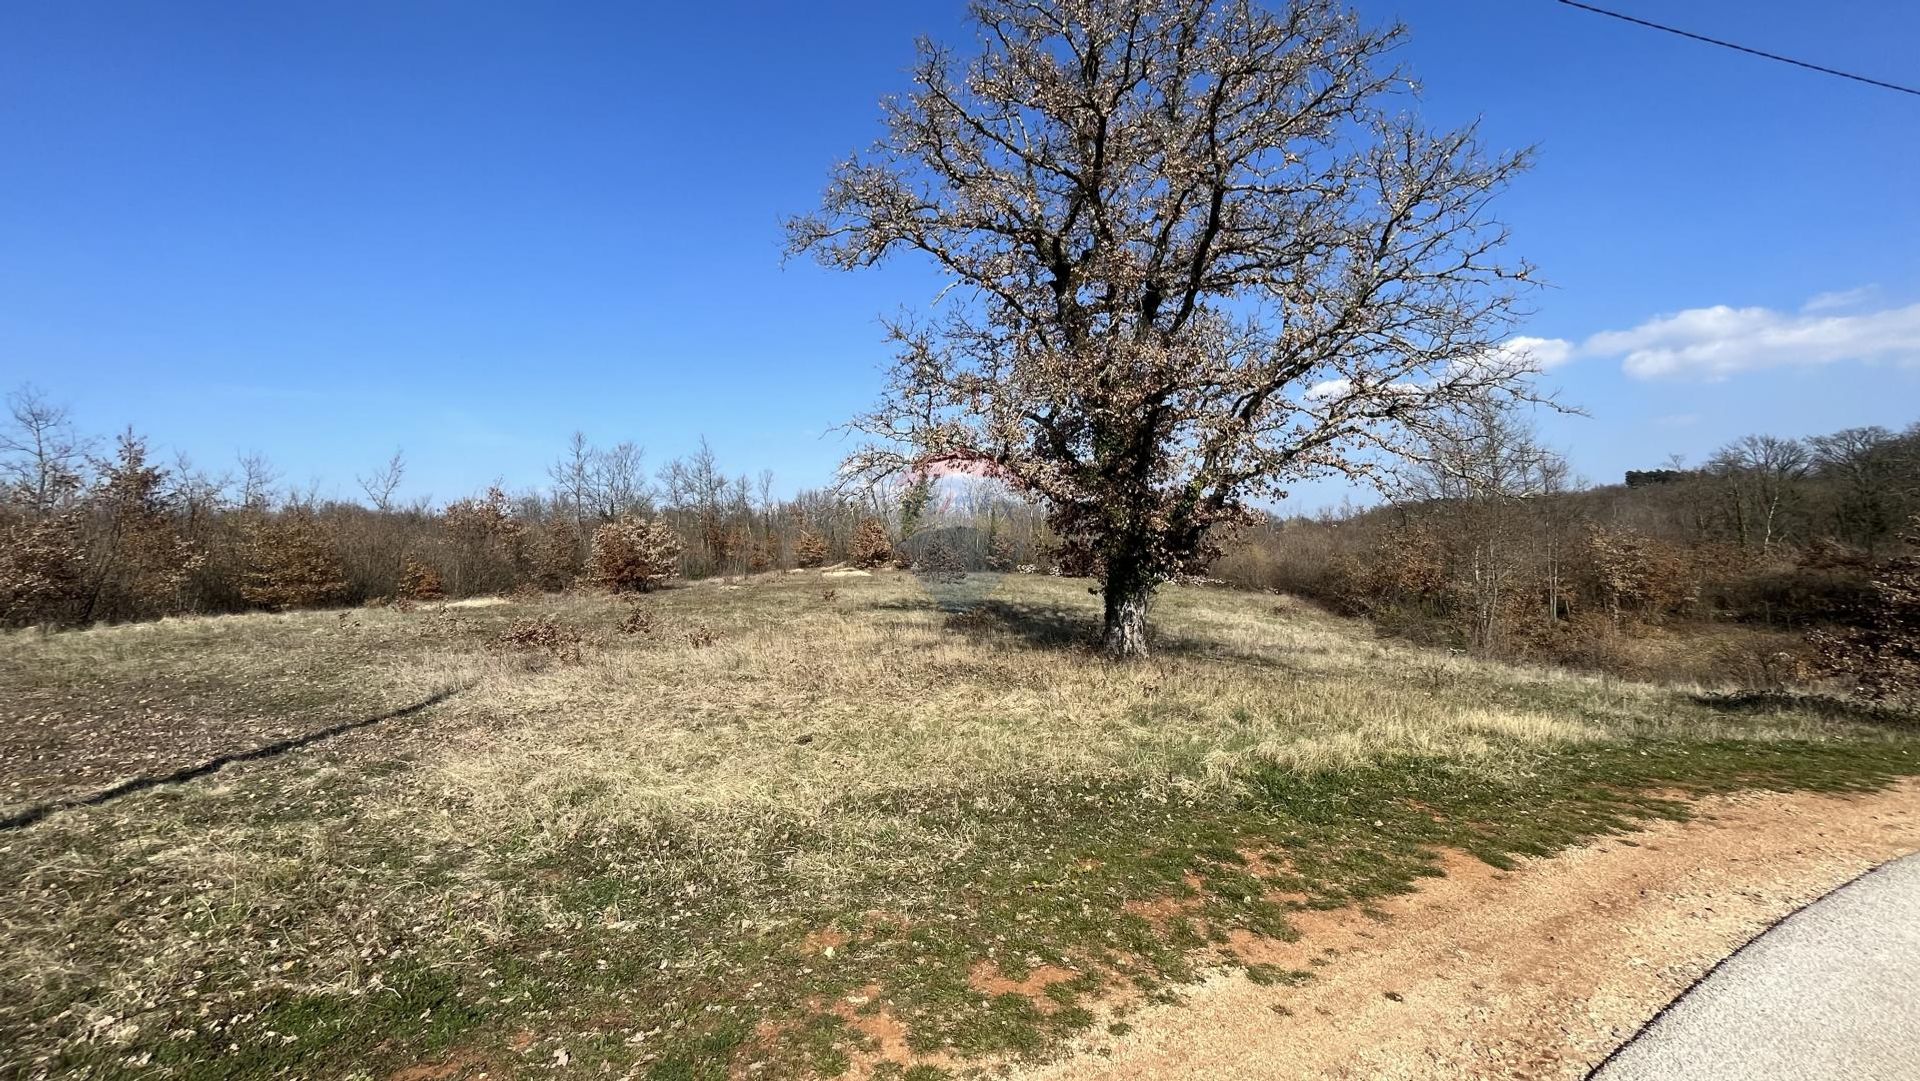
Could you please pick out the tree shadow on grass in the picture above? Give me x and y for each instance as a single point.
(1039, 625)
(1056, 627)
(1824, 706)
(36, 812)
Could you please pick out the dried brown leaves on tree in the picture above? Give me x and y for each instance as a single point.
(556, 555)
(1880, 648)
(872, 546)
(42, 570)
(809, 550)
(1202, 251)
(291, 563)
(137, 562)
(419, 582)
(633, 555)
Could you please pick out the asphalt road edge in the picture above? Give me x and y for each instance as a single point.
(1676, 1000)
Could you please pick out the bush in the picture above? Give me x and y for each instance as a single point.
(42, 579)
(872, 547)
(291, 564)
(939, 562)
(543, 635)
(1880, 645)
(489, 544)
(1755, 663)
(633, 555)
(637, 620)
(138, 563)
(1631, 574)
(419, 582)
(1000, 554)
(760, 558)
(809, 550)
(556, 555)
(1406, 570)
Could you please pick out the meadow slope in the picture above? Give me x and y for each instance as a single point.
(794, 826)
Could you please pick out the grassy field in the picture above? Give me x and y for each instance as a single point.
(799, 826)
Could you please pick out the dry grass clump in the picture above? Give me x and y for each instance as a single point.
(637, 620)
(543, 634)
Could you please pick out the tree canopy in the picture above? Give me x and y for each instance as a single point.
(1200, 249)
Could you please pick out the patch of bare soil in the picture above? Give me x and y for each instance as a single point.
(987, 978)
(476, 602)
(1534, 973)
(457, 1065)
(868, 1014)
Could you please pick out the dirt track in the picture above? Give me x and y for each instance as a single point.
(1535, 973)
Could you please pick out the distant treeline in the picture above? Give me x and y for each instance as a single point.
(105, 531)
(1484, 543)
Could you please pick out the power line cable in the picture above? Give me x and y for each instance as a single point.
(1742, 48)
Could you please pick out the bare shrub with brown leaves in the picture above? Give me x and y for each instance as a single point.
(545, 635)
(42, 571)
(1636, 576)
(809, 550)
(940, 563)
(872, 547)
(637, 619)
(556, 555)
(1759, 664)
(1407, 569)
(419, 582)
(138, 563)
(1880, 645)
(489, 542)
(291, 564)
(633, 555)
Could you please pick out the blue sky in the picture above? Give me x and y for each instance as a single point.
(322, 231)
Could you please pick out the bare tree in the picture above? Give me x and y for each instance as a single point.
(1201, 251)
(257, 478)
(196, 493)
(1864, 465)
(1480, 471)
(763, 486)
(1760, 474)
(572, 475)
(384, 481)
(619, 476)
(44, 457)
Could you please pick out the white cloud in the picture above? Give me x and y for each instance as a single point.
(1845, 298)
(1541, 353)
(1520, 353)
(1716, 342)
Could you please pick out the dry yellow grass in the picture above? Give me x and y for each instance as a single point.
(766, 758)
(888, 691)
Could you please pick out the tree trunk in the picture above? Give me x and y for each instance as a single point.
(1125, 632)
